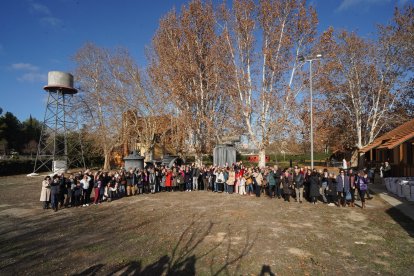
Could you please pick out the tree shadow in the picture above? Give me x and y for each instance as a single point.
(90, 271)
(266, 270)
(184, 256)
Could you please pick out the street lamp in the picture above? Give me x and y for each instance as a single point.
(310, 59)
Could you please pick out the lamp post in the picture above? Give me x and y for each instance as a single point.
(310, 59)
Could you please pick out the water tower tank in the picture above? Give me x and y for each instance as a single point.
(57, 80)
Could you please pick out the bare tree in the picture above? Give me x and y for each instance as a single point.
(263, 76)
(189, 62)
(359, 79)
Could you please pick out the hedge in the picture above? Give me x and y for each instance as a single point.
(12, 167)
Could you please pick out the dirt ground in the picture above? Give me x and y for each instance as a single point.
(199, 233)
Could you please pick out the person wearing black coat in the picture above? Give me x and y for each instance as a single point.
(287, 183)
(62, 190)
(277, 174)
(54, 192)
(331, 191)
(314, 184)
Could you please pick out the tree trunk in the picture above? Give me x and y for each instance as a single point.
(149, 154)
(107, 164)
(198, 159)
(262, 158)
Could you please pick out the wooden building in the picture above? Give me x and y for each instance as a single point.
(396, 147)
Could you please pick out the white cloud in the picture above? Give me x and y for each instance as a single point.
(51, 21)
(39, 8)
(29, 72)
(46, 16)
(347, 4)
(33, 77)
(24, 66)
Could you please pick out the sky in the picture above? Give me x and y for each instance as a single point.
(39, 36)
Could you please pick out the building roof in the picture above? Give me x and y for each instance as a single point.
(392, 138)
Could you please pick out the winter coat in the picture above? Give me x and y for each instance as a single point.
(362, 183)
(231, 179)
(298, 180)
(54, 187)
(188, 177)
(168, 179)
(331, 190)
(271, 178)
(287, 182)
(45, 193)
(259, 178)
(342, 183)
(314, 184)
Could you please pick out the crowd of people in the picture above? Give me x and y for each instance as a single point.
(298, 184)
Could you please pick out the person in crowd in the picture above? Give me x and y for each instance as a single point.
(195, 173)
(306, 183)
(386, 170)
(298, 180)
(226, 177)
(140, 181)
(362, 181)
(204, 177)
(352, 187)
(163, 179)
(97, 188)
(157, 179)
(151, 181)
(188, 179)
(230, 181)
(45, 192)
(69, 189)
(111, 189)
(54, 192)
(287, 183)
(85, 193)
(242, 185)
(129, 182)
(76, 192)
(258, 178)
(314, 184)
(343, 186)
(144, 180)
(168, 180)
(63, 192)
(238, 175)
(122, 183)
(324, 185)
(331, 190)
(271, 182)
(219, 180)
(277, 174)
(249, 182)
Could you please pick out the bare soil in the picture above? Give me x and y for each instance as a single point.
(199, 233)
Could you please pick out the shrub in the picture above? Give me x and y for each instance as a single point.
(12, 167)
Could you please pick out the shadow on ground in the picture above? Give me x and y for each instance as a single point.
(185, 254)
(404, 221)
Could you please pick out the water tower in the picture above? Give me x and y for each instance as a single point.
(60, 144)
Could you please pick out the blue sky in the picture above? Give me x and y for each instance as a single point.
(40, 36)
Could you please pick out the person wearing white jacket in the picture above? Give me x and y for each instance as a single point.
(85, 186)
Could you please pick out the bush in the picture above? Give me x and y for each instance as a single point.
(12, 167)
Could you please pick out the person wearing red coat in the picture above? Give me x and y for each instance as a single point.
(168, 180)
